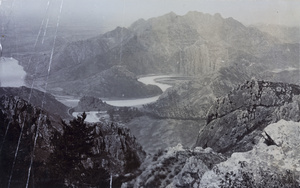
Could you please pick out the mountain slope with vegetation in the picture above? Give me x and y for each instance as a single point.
(62, 153)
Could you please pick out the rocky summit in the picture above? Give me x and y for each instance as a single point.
(265, 165)
(235, 121)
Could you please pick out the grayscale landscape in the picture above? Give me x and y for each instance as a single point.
(152, 94)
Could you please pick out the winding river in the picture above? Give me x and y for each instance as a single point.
(139, 102)
(151, 79)
(12, 75)
(95, 116)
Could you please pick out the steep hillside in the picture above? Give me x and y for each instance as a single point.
(235, 121)
(192, 100)
(199, 43)
(19, 118)
(38, 98)
(154, 134)
(62, 154)
(284, 33)
(190, 44)
(116, 81)
(266, 165)
(177, 165)
(273, 162)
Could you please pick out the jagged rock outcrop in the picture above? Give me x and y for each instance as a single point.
(263, 166)
(113, 149)
(117, 149)
(235, 121)
(19, 124)
(176, 167)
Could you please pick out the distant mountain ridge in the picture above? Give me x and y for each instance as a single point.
(285, 34)
(195, 44)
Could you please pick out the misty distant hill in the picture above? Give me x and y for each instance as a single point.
(195, 44)
(284, 33)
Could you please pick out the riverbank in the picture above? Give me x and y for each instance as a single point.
(135, 102)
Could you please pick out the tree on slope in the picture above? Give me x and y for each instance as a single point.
(70, 149)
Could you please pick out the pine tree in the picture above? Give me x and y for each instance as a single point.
(70, 148)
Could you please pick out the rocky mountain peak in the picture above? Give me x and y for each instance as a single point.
(218, 16)
(263, 166)
(171, 14)
(235, 121)
(193, 44)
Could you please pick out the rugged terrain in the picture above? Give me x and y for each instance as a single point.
(61, 153)
(194, 44)
(192, 99)
(243, 81)
(266, 165)
(235, 121)
(38, 99)
(154, 134)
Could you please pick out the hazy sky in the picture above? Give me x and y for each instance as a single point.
(107, 14)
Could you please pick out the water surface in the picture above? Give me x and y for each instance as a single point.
(11, 73)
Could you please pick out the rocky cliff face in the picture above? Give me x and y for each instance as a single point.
(19, 118)
(113, 149)
(264, 165)
(117, 149)
(175, 167)
(267, 164)
(235, 121)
